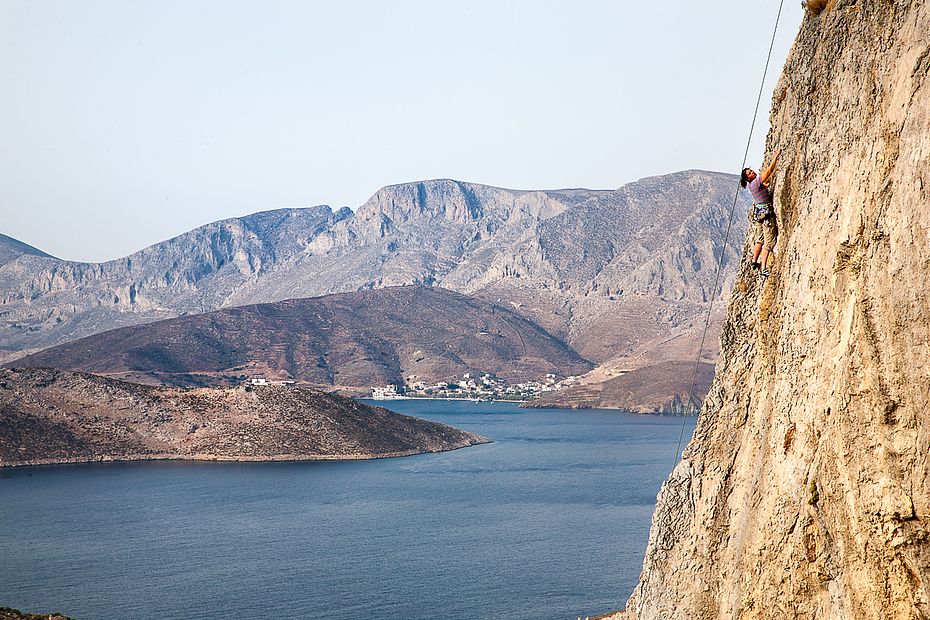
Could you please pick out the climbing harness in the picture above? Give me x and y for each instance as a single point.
(762, 211)
(726, 237)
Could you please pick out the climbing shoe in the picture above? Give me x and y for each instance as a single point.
(756, 265)
(764, 274)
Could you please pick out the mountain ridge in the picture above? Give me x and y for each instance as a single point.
(232, 262)
(11, 249)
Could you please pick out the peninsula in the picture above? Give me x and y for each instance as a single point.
(54, 416)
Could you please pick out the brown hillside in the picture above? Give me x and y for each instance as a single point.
(347, 340)
(54, 416)
(663, 387)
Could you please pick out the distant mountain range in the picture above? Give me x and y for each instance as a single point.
(620, 276)
(47, 301)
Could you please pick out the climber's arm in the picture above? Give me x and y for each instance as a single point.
(768, 171)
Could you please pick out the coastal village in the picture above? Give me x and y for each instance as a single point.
(487, 387)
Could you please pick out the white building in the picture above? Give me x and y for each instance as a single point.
(387, 392)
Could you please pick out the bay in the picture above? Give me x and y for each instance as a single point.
(549, 521)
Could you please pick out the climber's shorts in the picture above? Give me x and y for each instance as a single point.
(766, 232)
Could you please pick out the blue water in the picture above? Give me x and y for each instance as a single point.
(550, 521)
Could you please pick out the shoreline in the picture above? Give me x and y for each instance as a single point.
(529, 404)
(470, 400)
(207, 458)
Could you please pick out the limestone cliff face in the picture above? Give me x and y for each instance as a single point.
(804, 492)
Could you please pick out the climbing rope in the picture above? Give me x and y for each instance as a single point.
(726, 237)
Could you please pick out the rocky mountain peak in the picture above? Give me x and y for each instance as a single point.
(439, 198)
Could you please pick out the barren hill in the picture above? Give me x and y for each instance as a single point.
(54, 416)
(662, 387)
(349, 340)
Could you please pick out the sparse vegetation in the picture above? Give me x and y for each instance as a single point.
(815, 7)
(789, 437)
(8, 613)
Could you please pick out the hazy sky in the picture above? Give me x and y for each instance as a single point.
(124, 123)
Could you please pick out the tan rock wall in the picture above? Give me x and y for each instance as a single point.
(804, 493)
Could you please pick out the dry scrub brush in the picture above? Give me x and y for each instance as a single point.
(814, 7)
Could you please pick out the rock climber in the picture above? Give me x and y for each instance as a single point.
(762, 214)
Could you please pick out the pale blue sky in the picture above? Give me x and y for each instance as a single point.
(124, 123)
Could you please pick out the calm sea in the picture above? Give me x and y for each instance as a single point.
(550, 521)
